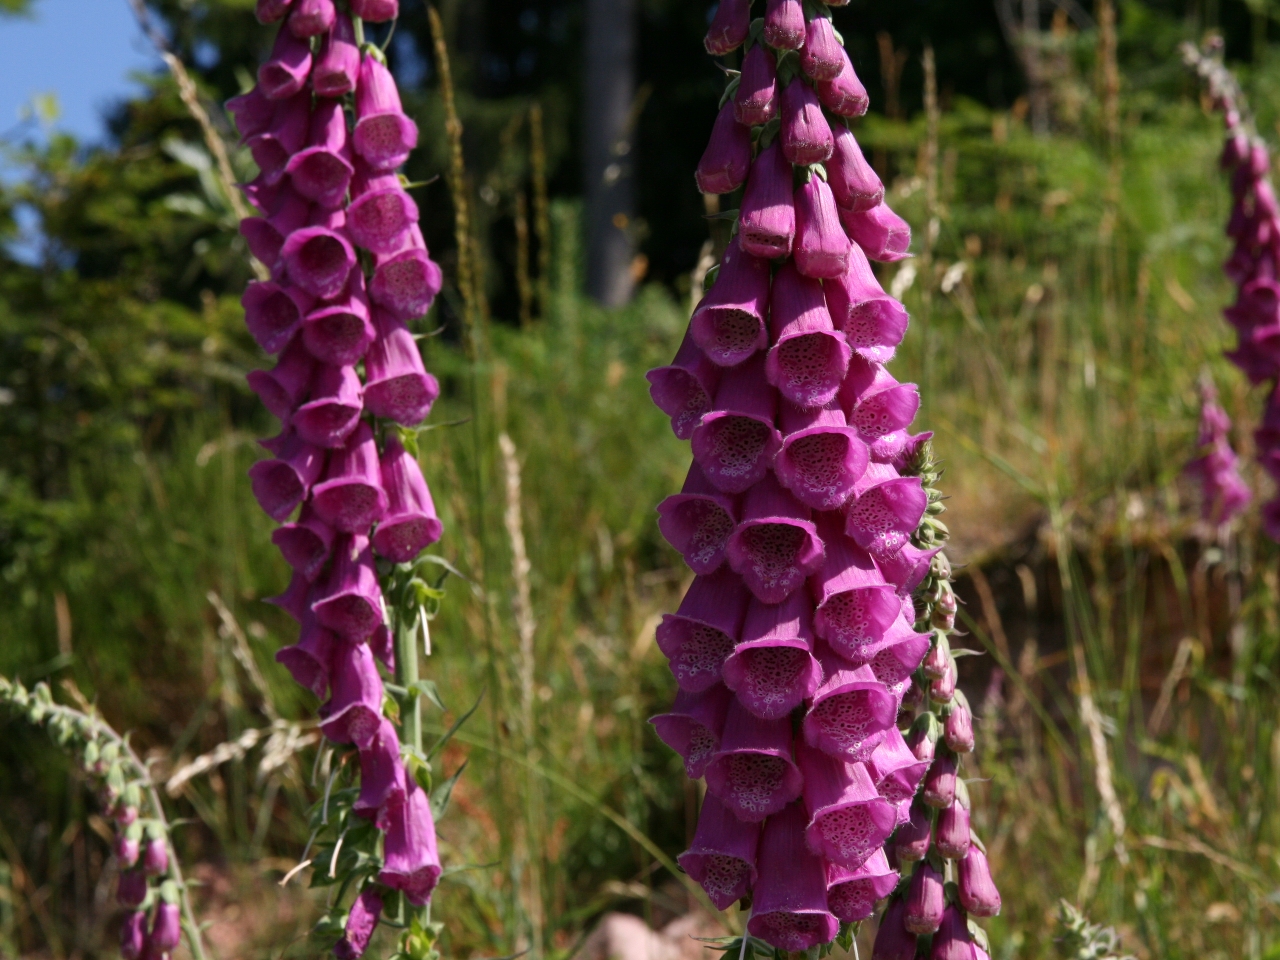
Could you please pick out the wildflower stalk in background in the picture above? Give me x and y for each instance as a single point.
(151, 888)
(1254, 267)
(1224, 494)
(822, 608)
(349, 271)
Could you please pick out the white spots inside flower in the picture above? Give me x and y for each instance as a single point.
(701, 656)
(754, 780)
(771, 550)
(737, 445)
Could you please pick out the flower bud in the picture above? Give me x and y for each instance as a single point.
(893, 940)
(767, 221)
(125, 814)
(821, 246)
(935, 662)
(784, 24)
(844, 95)
(376, 11)
(127, 849)
(805, 135)
(729, 27)
(957, 729)
(952, 941)
(925, 900)
(821, 57)
(131, 888)
(155, 857)
(166, 928)
(854, 183)
(361, 922)
(310, 18)
(944, 688)
(133, 935)
(911, 842)
(978, 891)
(727, 159)
(922, 738)
(939, 788)
(952, 835)
(755, 102)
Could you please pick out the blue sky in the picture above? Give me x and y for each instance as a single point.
(81, 50)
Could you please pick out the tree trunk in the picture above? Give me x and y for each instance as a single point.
(607, 140)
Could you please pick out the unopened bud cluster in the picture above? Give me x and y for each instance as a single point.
(327, 130)
(950, 880)
(152, 927)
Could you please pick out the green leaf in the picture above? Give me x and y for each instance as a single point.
(453, 728)
(441, 794)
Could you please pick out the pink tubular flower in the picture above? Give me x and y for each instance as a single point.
(851, 712)
(925, 901)
(166, 928)
(285, 72)
(808, 360)
(775, 546)
(348, 364)
(978, 892)
(722, 857)
(893, 940)
(382, 777)
(353, 713)
(805, 136)
(280, 485)
(821, 457)
(310, 18)
(322, 172)
(376, 11)
(724, 164)
(337, 68)
(854, 184)
(729, 27)
(823, 56)
(882, 234)
(131, 888)
(411, 863)
(729, 323)
(133, 935)
(767, 221)
(735, 442)
(361, 922)
(348, 600)
(693, 727)
(399, 387)
(789, 902)
(698, 521)
(702, 633)
(822, 248)
(683, 390)
(852, 894)
(406, 280)
(755, 102)
(752, 773)
(351, 498)
(772, 669)
(155, 857)
(952, 941)
(384, 136)
(844, 95)
(872, 321)
(410, 524)
(784, 24)
(849, 820)
(1224, 494)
